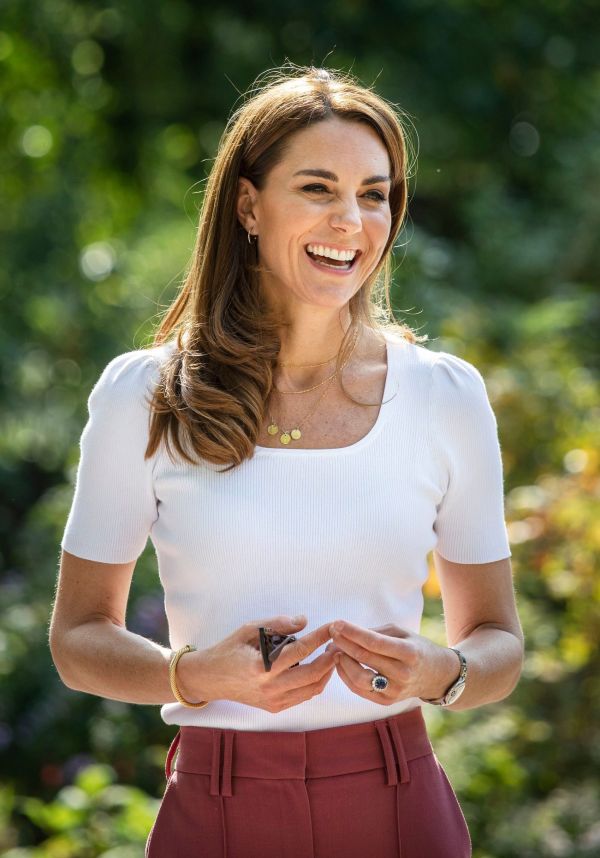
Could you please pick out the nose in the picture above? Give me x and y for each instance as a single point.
(346, 216)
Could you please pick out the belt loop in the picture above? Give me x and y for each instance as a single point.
(171, 753)
(215, 762)
(390, 763)
(227, 763)
(400, 752)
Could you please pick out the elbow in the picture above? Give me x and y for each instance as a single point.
(517, 669)
(510, 687)
(61, 663)
(67, 679)
(519, 664)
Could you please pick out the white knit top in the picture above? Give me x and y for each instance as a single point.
(332, 533)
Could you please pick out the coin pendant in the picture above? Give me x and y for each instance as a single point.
(285, 438)
(273, 429)
(296, 433)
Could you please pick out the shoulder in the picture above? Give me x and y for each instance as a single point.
(455, 388)
(451, 376)
(129, 376)
(458, 392)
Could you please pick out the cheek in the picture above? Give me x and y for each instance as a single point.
(386, 222)
(380, 230)
(379, 220)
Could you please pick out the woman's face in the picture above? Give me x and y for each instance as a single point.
(327, 197)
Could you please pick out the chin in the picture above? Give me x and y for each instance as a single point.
(332, 302)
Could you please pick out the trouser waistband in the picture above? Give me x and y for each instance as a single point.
(389, 743)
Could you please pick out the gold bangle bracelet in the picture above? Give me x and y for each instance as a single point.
(172, 667)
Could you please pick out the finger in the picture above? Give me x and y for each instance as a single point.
(306, 674)
(393, 647)
(346, 673)
(357, 678)
(391, 630)
(331, 647)
(380, 663)
(302, 648)
(282, 624)
(307, 691)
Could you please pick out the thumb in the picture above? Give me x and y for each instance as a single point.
(285, 624)
(282, 624)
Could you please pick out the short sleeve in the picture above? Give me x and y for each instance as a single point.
(470, 525)
(114, 505)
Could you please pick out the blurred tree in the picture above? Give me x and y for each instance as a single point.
(110, 115)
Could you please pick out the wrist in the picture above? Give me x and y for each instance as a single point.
(186, 675)
(457, 681)
(446, 675)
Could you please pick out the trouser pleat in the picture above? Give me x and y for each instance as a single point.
(395, 760)
(400, 752)
(220, 775)
(388, 753)
(215, 766)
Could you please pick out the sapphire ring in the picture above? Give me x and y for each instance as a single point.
(379, 682)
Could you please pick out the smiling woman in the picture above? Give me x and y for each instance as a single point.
(303, 229)
(294, 459)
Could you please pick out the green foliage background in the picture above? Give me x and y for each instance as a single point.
(110, 113)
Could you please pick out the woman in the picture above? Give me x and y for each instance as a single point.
(294, 459)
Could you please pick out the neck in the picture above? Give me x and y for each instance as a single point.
(312, 339)
(304, 346)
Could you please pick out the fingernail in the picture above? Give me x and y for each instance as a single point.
(298, 619)
(334, 628)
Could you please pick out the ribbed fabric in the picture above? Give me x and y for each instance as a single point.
(333, 534)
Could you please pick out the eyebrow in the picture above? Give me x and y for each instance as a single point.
(326, 174)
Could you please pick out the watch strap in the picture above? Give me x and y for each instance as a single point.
(456, 689)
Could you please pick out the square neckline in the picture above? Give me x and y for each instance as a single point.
(356, 445)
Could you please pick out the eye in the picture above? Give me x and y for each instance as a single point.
(374, 196)
(378, 197)
(315, 188)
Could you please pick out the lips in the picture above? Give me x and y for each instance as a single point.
(333, 265)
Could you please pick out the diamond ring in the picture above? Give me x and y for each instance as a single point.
(379, 682)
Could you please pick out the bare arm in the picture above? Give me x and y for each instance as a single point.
(482, 621)
(92, 649)
(94, 652)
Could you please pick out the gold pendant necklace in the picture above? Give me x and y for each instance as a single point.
(295, 434)
(288, 435)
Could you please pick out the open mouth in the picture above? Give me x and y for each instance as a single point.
(327, 259)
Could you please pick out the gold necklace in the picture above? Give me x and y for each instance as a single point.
(308, 389)
(303, 365)
(295, 434)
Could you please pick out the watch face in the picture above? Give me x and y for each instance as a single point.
(454, 693)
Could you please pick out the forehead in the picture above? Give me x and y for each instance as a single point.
(335, 143)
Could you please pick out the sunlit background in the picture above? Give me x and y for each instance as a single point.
(110, 114)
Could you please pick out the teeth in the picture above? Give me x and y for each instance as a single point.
(330, 253)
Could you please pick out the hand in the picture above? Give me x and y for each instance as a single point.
(233, 669)
(414, 665)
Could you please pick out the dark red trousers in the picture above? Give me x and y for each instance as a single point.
(372, 790)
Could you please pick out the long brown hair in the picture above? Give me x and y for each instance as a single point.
(213, 387)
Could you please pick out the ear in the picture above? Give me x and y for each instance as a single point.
(247, 200)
